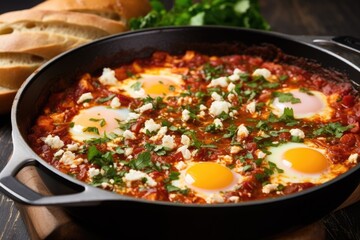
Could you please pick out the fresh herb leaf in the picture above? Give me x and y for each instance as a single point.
(332, 129)
(286, 97)
(92, 129)
(105, 99)
(142, 161)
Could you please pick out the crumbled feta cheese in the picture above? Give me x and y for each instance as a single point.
(353, 158)
(268, 188)
(251, 107)
(115, 103)
(134, 175)
(108, 77)
(260, 154)
(159, 134)
(202, 107)
(234, 199)
(128, 151)
(215, 198)
(297, 133)
(221, 81)
(129, 135)
(216, 96)
(231, 87)
(168, 141)
(141, 93)
(54, 142)
(180, 165)
(84, 97)
(185, 115)
(132, 116)
(92, 172)
(144, 108)
(68, 158)
(242, 132)
(185, 140)
(235, 149)
(72, 147)
(151, 126)
(218, 123)
(59, 153)
(262, 72)
(217, 107)
(226, 159)
(236, 75)
(201, 114)
(185, 152)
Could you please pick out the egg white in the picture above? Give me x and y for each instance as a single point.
(209, 196)
(162, 77)
(293, 176)
(109, 115)
(324, 113)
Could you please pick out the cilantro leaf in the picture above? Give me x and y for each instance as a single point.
(332, 129)
(142, 161)
(286, 97)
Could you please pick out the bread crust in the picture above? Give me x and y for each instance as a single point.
(84, 19)
(6, 99)
(123, 9)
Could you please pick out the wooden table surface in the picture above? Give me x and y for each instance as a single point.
(298, 17)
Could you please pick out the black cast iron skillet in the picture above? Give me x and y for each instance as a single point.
(152, 219)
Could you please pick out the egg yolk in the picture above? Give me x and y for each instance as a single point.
(305, 160)
(310, 104)
(209, 176)
(157, 86)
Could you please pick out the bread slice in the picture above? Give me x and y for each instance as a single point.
(82, 19)
(6, 99)
(83, 32)
(39, 44)
(16, 67)
(122, 10)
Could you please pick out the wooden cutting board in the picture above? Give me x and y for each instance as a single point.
(54, 223)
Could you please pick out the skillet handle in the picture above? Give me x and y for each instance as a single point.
(21, 193)
(344, 46)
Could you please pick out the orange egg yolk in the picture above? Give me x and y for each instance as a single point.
(209, 176)
(156, 86)
(305, 160)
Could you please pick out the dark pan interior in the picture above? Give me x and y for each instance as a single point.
(225, 222)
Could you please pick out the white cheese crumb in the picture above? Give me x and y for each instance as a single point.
(231, 87)
(185, 140)
(251, 107)
(168, 142)
(151, 126)
(185, 152)
(234, 199)
(108, 77)
(92, 172)
(134, 175)
(141, 93)
(72, 147)
(180, 165)
(260, 154)
(84, 97)
(262, 72)
(128, 151)
(115, 103)
(201, 114)
(215, 198)
(242, 132)
(54, 142)
(129, 135)
(145, 107)
(216, 96)
(132, 116)
(236, 75)
(268, 188)
(221, 81)
(217, 107)
(353, 158)
(235, 149)
(297, 133)
(202, 107)
(218, 123)
(159, 134)
(185, 115)
(59, 153)
(68, 158)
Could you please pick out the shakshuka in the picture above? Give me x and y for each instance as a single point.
(195, 128)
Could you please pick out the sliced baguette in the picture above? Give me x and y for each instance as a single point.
(82, 19)
(122, 10)
(6, 99)
(39, 44)
(16, 67)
